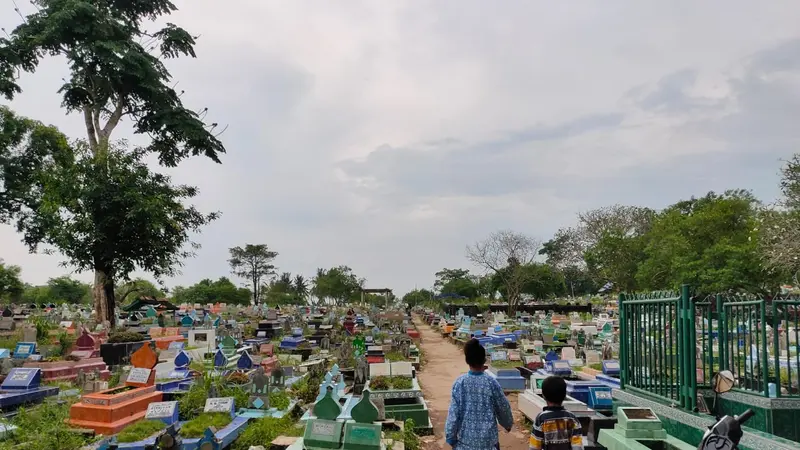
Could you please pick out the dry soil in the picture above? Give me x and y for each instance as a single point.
(444, 362)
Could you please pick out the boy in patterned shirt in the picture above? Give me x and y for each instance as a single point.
(477, 405)
(555, 428)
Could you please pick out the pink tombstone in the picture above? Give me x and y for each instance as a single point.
(85, 342)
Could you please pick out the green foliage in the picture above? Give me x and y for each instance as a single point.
(197, 426)
(418, 297)
(142, 429)
(11, 287)
(124, 336)
(65, 343)
(207, 291)
(43, 327)
(505, 364)
(339, 284)
(265, 430)
(286, 290)
(66, 290)
(191, 404)
(407, 436)
(306, 389)
(279, 400)
(133, 289)
(394, 356)
(383, 383)
(253, 263)
(43, 428)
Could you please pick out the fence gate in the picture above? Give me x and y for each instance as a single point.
(657, 345)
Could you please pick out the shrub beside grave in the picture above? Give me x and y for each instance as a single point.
(197, 426)
(142, 429)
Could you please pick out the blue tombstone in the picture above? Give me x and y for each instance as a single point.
(216, 322)
(5, 353)
(220, 360)
(187, 321)
(245, 362)
(182, 360)
(611, 368)
(24, 350)
(22, 378)
(209, 441)
(551, 356)
(600, 398)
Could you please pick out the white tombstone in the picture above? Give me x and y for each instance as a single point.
(380, 369)
(401, 368)
(592, 357)
(568, 353)
(207, 338)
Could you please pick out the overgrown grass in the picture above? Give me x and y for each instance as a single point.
(43, 428)
(265, 430)
(383, 383)
(407, 436)
(192, 403)
(279, 400)
(505, 364)
(394, 356)
(142, 429)
(197, 426)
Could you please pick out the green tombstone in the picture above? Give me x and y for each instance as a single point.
(324, 431)
(151, 312)
(363, 434)
(607, 328)
(359, 346)
(228, 343)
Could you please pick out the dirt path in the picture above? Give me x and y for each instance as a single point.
(444, 363)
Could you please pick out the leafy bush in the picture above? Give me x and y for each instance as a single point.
(65, 342)
(124, 336)
(197, 426)
(382, 383)
(395, 356)
(265, 430)
(140, 430)
(191, 404)
(279, 400)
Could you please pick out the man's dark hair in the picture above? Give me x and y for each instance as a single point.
(554, 389)
(474, 353)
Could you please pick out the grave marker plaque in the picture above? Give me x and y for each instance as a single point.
(24, 350)
(220, 405)
(175, 345)
(166, 412)
(22, 378)
(138, 375)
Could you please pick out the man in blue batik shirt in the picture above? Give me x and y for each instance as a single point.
(477, 405)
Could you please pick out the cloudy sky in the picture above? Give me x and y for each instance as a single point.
(387, 135)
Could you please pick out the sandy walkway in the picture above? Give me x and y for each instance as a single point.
(445, 363)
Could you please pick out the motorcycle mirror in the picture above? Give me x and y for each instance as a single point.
(723, 382)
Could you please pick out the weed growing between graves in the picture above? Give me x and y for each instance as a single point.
(394, 356)
(191, 404)
(596, 366)
(279, 400)
(307, 389)
(265, 430)
(142, 429)
(197, 426)
(124, 336)
(382, 383)
(10, 342)
(65, 343)
(43, 327)
(43, 428)
(505, 364)
(407, 436)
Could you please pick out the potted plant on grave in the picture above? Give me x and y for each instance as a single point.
(120, 345)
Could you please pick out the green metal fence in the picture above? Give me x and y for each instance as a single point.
(671, 344)
(652, 345)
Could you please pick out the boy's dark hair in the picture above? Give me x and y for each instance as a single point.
(554, 389)
(474, 353)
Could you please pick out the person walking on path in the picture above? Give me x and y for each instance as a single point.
(477, 405)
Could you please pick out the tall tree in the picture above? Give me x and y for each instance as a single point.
(337, 283)
(780, 225)
(505, 253)
(301, 286)
(115, 72)
(417, 297)
(207, 291)
(11, 287)
(456, 282)
(68, 290)
(253, 263)
(139, 287)
(708, 242)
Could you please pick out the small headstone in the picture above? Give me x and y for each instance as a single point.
(220, 405)
(568, 353)
(176, 346)
(24, 350)
(22, 378)
(139, 375)
(166, 412)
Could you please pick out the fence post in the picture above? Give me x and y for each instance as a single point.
(722, 338)
(689, 350)
(623, 345)
(765, 359)
(777, 348)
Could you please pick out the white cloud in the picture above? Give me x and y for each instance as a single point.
(388, 135)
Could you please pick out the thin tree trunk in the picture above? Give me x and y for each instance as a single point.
(103, 293)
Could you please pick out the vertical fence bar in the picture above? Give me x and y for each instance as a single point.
(765, 359)
(721, 335)
(776, 342)
(622, 342)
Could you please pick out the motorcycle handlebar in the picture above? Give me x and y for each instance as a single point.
(745, 416)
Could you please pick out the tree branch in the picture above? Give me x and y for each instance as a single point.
(113, 121)
(91, 131)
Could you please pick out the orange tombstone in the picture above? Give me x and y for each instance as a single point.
(108, 412)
